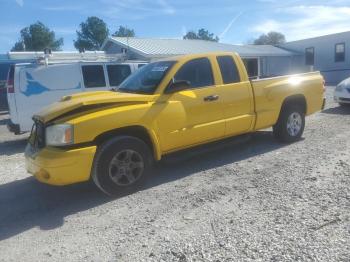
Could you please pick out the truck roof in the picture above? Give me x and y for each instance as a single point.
(199, 55)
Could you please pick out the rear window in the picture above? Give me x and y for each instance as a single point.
(117, 74)
(93, 76)
(228, 69)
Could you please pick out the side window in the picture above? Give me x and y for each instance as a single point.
(228, 69)
(339, 52)
(93, 76)
(117, 74)
(140, 65)
(198, 72)
(310, 56)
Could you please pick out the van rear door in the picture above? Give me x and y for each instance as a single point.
(94, 77)
(40, 86)
(11, 96)
(117, 73)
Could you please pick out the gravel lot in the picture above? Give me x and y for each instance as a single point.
(259, 200)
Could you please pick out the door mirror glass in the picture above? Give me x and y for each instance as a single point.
(177, 86)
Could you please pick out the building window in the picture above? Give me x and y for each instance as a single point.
(339, 52)
(310, 56)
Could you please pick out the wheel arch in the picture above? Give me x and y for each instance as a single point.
(146, 135)
(295, 100)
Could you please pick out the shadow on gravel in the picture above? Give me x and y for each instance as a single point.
(26, 203)
(340, 110)
(13, 147)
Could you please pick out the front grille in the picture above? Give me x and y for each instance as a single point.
(37, 136)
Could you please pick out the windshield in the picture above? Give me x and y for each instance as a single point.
(146, 79)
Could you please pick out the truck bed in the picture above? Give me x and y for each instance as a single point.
(270, 93)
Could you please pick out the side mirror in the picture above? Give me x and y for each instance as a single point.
(177, 86)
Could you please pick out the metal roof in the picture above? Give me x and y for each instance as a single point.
(152, 47)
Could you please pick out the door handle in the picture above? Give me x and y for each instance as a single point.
(211, 98)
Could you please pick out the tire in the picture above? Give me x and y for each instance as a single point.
(290, 125)
(121, 165)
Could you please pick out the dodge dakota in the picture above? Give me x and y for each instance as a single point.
(114, 137)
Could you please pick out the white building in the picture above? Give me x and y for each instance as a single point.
(328, 54)
(262, 60)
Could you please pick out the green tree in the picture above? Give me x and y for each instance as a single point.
(271, 38)
(37, 37)
(92, 34)
(124, 31)
(202, 34)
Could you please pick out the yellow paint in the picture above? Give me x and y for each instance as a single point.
(173, 121)
(61, 167)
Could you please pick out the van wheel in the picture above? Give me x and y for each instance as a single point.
(121, 165)
(290, 125)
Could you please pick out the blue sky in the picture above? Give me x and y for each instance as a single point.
(234, 21)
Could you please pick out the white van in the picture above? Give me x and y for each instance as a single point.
(30, 87)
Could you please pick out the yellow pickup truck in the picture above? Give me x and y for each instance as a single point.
(114, 137)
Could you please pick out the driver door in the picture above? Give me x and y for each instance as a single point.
(192, 116)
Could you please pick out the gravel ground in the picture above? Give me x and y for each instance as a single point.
(255, 201)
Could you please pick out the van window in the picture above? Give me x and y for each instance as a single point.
(140, 65)
(228, 68)
(198, 72)
(117, 74)
(93, 76)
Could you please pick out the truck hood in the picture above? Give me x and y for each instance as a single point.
(89, 100)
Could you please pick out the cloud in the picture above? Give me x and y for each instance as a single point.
(20, 2)
(166, 7)
(63, 8)
(135, 9)
(228, 27)
(307, 21)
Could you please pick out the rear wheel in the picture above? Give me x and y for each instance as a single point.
(290, 125)
(121, 165)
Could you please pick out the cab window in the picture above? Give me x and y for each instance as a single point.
(228, 68)
(93, 76)
(197, 72)
(117, 74)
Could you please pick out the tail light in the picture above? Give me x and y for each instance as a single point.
(10, 81)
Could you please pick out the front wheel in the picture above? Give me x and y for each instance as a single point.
(290, 125)
(121, 165)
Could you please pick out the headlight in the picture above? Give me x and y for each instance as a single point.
(59, 135)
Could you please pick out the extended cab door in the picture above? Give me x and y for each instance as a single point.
(195, 115)
(237, 99)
